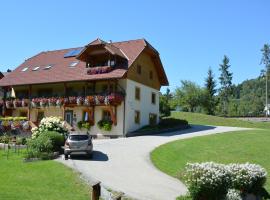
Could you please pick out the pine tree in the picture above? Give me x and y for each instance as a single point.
(210, 86)
(226, 84)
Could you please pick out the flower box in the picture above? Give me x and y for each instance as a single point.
(72, 100)
(115, 98)
(99, 70)
(60, 101)
(43, 102)
(25, 102)
(9, 104)
(80, 101)
(35, 102)
(52, 101)
(17, 103)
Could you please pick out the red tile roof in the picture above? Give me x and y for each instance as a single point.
(60, 70)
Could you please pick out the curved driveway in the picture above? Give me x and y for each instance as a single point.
(124, 164)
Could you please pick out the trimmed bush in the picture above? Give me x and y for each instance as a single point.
(248, 178)
(172, 122)
(207, 181)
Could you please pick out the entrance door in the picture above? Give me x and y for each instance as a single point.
(69, 117)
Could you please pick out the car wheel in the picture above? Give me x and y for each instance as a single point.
(66, 156)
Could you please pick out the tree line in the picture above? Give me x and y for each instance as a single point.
(248, 98)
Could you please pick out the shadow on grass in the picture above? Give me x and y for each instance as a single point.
(96, 156)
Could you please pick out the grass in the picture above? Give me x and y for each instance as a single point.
(240, 147)
(40, 180)
(202, 119)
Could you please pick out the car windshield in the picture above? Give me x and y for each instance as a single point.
(78, 137)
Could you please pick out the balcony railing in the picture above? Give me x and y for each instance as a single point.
(92, 100)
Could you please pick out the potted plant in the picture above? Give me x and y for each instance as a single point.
(60, 101)
(17, 103)
(25, 102)
(43, 102)
(80, 101)
(72, 100)
(9, 104)
(105, 125)
(35, 102)
(52, 101)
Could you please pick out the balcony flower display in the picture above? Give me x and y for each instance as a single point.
(17, 103)
(35, 102)
(25, 102)
(52, 101)
(115, 98)
(99, 70)
(80, 101)
(72, 100)
(91, 100)
(9, 104)
(43, 102)
(66, 100)
(99, 99)
(60, 101)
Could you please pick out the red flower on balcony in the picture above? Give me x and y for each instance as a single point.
(43, 102)
(80, 101)
(35, 102)
(99, 70)
(17, 103)
(115, 98)
(72, 100)
(52, 101)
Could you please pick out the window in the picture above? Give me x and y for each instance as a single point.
(152, 119)
(35, 68)
(139, 69)
(48, 67)
(25, 69)
(137, 117)
(151, 75)
(86, 116)
(153, 98)
(106, 115)
(73, 64)
(137, 93)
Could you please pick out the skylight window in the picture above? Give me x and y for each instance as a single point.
(25, 69)
(48, 67)
(35, 68)
(73, 64)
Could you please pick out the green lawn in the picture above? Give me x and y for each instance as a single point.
(240, 147)
(196, 118)
(41, 180)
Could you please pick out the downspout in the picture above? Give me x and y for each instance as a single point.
(124, 120)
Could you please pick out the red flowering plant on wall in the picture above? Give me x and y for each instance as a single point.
(80, 100)
(25, 102)
(9, 104)
(17, 103)
(99, 70)
(60, 101)
(72, 100)
(35, 102)
(43, 102)
(52, 101)
(115, 98)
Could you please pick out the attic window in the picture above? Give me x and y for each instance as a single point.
(48, 67)
(25, 69)
(73, 64)
(35, 68)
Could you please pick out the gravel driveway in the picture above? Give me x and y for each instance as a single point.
(124, 164)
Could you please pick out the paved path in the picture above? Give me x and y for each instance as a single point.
(124, 164)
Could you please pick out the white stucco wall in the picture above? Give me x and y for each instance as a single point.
(144, 105)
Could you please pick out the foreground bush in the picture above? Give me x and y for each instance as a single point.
(212, 181)
(45, 144)
(207, 181)
(248, 178)
(50, 124)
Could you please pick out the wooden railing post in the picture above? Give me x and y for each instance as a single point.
(96, 191)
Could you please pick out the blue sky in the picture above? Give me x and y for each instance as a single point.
(190, 35)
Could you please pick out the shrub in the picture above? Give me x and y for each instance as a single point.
(248, 178)
(50, 124)
(84, 125)
(105, 125)
(57, 140)
(207, 181)
(5, 138)
(172, 122)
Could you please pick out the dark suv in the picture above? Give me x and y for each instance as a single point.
(78, 143)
